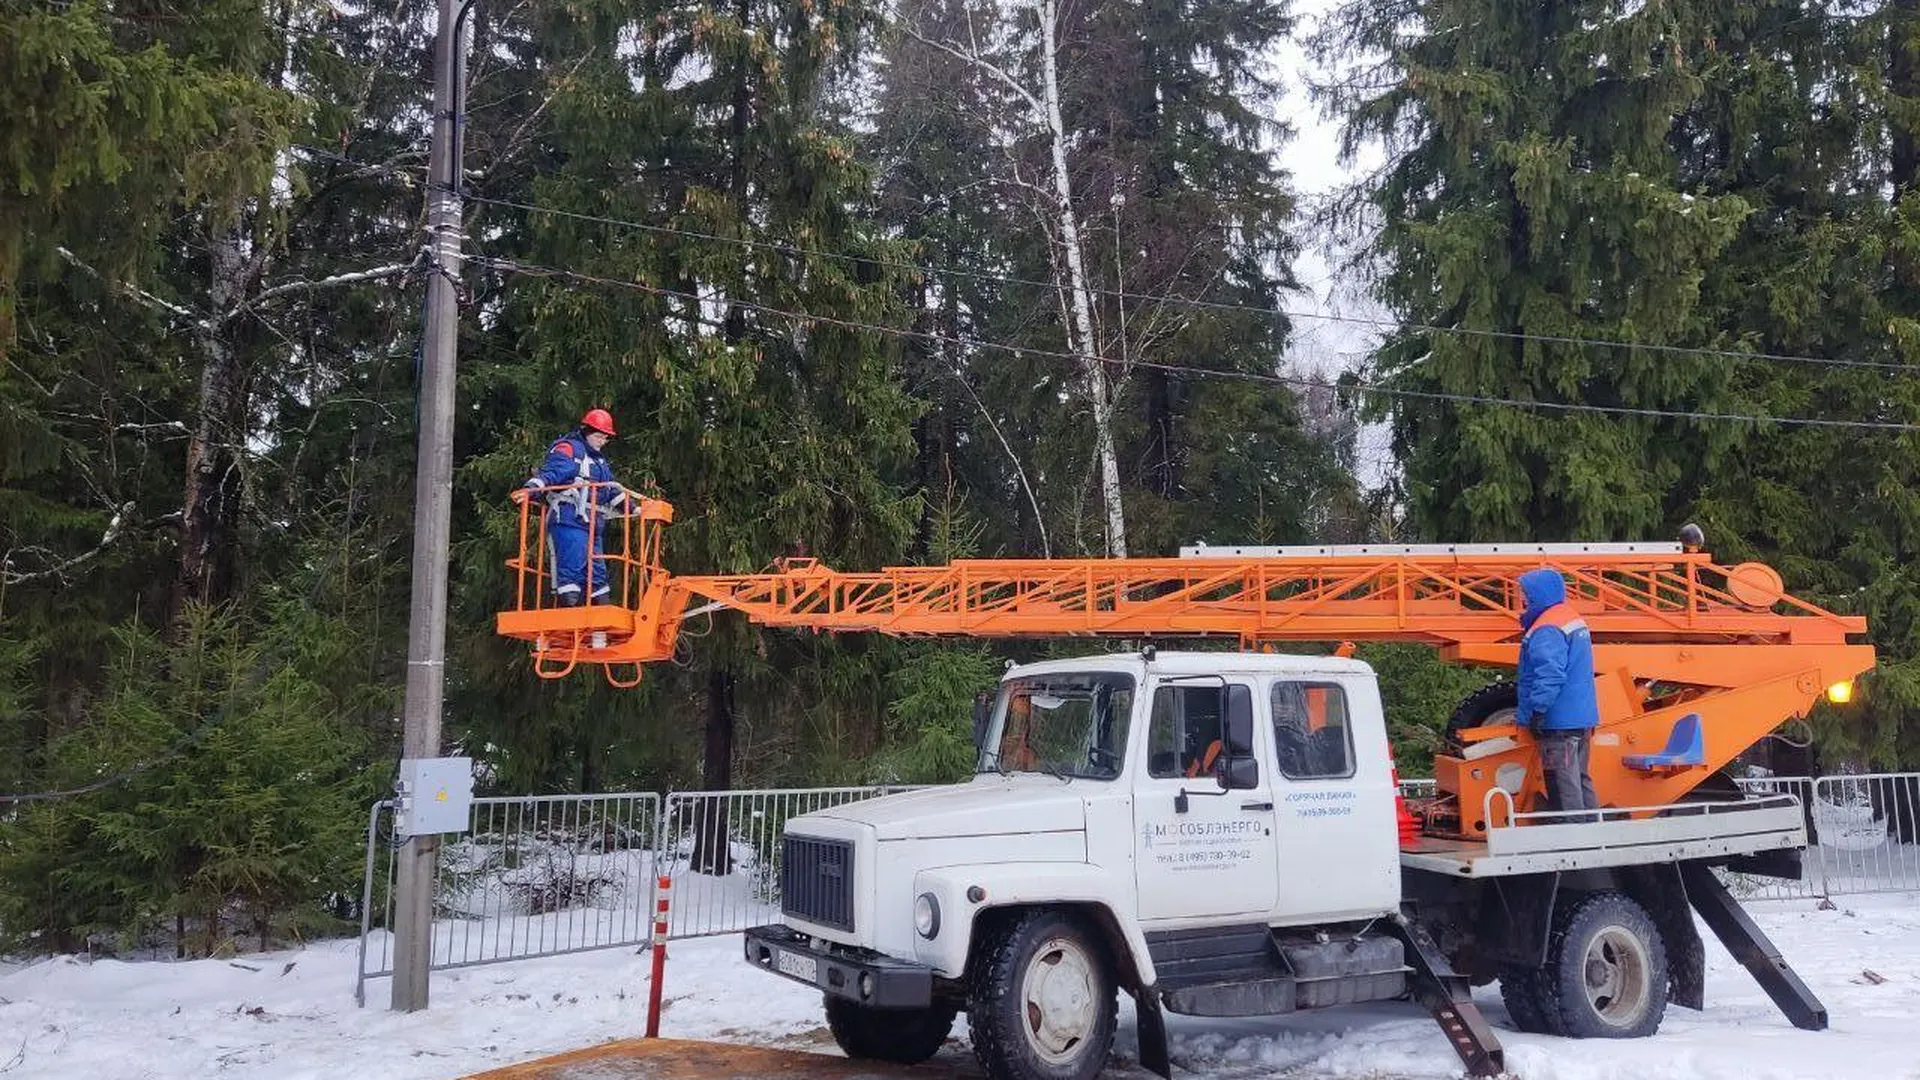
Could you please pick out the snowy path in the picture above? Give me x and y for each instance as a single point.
(290, 1015)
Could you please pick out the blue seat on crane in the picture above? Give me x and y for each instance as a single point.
(1686, 748)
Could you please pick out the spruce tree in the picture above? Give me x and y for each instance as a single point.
(1531, 192)
(1728, 177)
(1804, 118)
(724, 332)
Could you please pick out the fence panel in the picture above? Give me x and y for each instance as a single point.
(1419, 787)
(1868, 829)
(532, 876)
(376, 900)
(1809, 886)
(722, 849)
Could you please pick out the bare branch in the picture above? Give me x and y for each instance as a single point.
(335, 281)
(1046, 547)
(173, 426)
(10, 576)
(985, 65)
(516, 142)
(137, 293)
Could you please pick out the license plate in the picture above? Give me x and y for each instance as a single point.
(798, 965)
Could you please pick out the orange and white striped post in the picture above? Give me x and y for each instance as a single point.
(659, 956)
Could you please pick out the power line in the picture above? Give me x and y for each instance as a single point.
(1205, 305)
(1122, 294)
(533, 269)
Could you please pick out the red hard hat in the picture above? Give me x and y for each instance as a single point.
(598, 420)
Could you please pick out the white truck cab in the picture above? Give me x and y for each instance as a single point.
(1213, 832)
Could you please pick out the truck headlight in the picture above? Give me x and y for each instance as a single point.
(926, 915)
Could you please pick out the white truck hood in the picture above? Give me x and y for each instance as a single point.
(990, 805)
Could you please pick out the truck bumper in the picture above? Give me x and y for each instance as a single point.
(868, 978)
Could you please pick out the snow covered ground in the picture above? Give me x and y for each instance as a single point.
(291, 1015)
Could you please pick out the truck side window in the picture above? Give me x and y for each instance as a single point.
(1311, 737)
(1183, 738)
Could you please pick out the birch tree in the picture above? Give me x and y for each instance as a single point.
(992, 48)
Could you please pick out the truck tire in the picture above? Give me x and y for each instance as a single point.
(1606, 970)
(902, 1036)
(1520, 992)
(1042, 1001)
(1494, 703)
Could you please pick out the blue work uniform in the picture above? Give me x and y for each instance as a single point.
(1557, 696)
(573, 461)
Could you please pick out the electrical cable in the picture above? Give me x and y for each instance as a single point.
(534, 269)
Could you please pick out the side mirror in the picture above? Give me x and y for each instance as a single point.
(1238, 773)
(1236, 738)
(1238, 769)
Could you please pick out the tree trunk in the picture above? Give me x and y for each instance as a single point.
(1164, 470)
(711, 854)
(210, 509)
(933, 430)
(589, 756)
(1080, 324)
(1903, 82)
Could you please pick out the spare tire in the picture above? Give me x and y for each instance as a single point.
(1494, 703)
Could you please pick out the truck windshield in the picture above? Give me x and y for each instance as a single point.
(1070, 726)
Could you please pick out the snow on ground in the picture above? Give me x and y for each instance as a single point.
(291, 1015)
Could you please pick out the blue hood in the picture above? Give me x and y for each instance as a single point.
(1543, 588)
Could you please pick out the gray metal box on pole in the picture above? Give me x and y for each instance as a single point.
(434, 796)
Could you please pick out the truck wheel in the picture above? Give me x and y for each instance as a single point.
(1042, 1001)
(1494, 703)
(904, 1036)
(1520, 993)
(1606, 970)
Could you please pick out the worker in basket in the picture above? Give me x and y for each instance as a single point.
(582, 499)
(1556, 692)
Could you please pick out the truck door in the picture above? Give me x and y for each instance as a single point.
(1336, 839)
(1216, 856)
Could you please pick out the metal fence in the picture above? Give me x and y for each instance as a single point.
(555, 874)
(721, 887)
(547, 875)
(1865, 835)
(532, 876)
(1752, 887)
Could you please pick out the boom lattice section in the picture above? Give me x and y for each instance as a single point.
(1439, 600)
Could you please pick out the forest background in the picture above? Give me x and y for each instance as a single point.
(878, 282)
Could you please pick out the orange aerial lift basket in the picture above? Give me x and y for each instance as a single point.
(1695, 661)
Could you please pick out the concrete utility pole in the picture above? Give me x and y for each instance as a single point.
(433, 497)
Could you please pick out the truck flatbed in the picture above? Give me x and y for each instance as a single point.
(1632, 836)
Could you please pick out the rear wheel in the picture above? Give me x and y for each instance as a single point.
(1042, 1002)
(904, 1036)
(1606, 970)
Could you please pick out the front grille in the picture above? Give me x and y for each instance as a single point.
(816, 880)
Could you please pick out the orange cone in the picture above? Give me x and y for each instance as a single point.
(1409, 825)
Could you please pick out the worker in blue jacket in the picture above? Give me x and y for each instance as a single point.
(574, 462)
(1557, 698)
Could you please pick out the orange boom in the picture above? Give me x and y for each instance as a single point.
(1696, 661)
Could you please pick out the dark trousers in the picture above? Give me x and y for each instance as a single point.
(1564, 757)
